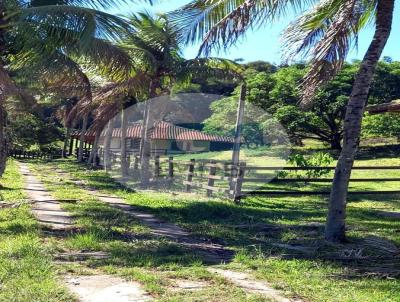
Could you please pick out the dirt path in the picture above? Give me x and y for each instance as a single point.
(212, 252)
(92, 288)
(46, 210)
(105, 288)
(248, 284)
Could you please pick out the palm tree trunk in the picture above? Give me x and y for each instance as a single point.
(93, 152)
(3, 139)
(335, 225)
(124, 159)
(145, 146)
(66, 142)
(6, 86)
(107, 146)
(82, 138)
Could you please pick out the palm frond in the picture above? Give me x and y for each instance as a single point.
(133, 87)
(59, 75)
(103, 114)
(64, 110)
(220, 23)
(105, 58)
(327, 33)
(63, 25)
(97, 4)
(222, 68)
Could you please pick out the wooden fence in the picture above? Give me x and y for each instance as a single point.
(23, 154)
(221, 177)
(306, 180)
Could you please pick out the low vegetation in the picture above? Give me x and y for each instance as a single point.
(279, 239)
(159, 264)
(26, 271)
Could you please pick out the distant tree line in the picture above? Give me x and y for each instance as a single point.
(275, 90)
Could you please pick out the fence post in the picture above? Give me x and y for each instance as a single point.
(233, 173)
(136, 162)
(157, 166)
(237, 190)
(128, 160)
(212, 172)
(200, 168)
(228, 170)
(170, 167)
(189, 176)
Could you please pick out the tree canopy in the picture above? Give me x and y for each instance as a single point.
(276, 91)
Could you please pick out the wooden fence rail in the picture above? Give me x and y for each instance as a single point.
(222, 178)
(23, 154)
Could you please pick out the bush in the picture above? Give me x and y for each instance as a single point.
(319, 159)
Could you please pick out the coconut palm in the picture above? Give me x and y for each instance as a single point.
(62, 115)
(60, 76)
(155, 48)
(324, 34)
(33, 31)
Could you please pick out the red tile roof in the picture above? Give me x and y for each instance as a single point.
(165, 131)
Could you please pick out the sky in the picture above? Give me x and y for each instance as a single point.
(264, 43)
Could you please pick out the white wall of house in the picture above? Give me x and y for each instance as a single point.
(115, 143)
(194, 146)
(159, 145)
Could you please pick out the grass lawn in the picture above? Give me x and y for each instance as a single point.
(26, 271)
(263, 156)
(264, 232)
(157, 263)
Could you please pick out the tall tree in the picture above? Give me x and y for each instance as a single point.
(34, 30)
(335, 227)
(325, 34)
(155, 48)
(62, 114)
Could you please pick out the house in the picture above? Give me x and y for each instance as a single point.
(165, 138)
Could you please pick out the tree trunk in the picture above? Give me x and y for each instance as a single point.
(82, 138)
(237, 139)
(145, 146)
(336, 142)
(3, 140)
(6, 87)
(335, 225)
(124, 159)
(95, 147)
(107, 146)
(66, 142)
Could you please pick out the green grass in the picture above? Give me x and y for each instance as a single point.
(26, 271)
(135, 253)
(263, 156)
(256, 229)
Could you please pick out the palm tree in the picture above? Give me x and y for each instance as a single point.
(155, 48)
(324, 34)
(33, 31)
(62, 115)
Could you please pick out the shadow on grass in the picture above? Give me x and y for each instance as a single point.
(287, 227)
(128, 242)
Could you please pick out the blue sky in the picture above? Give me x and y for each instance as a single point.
(264, 43)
